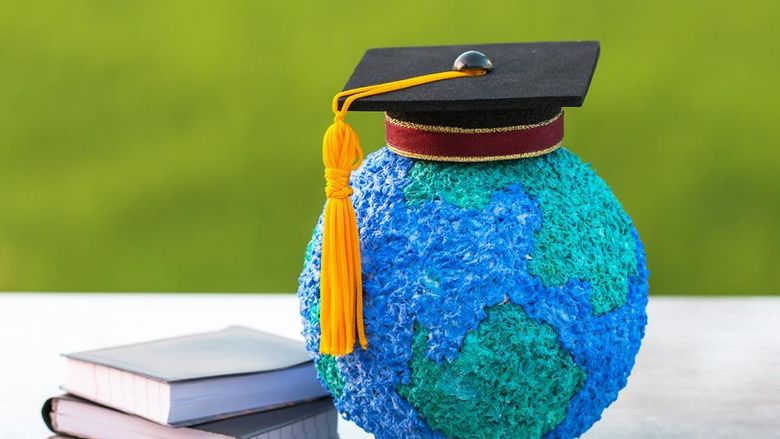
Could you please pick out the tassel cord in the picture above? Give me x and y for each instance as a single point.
(341, 284)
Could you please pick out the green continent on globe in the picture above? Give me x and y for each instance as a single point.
(328, 371)
(512, 378)
(327, 368)
(585, 234)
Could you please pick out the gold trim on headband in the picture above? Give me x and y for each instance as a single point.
(456, 130)
(442, 158)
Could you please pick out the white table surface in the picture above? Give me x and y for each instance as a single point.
(707, 368)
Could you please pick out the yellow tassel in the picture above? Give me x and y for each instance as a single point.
(341, 282)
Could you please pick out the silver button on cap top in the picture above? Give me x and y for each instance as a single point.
(472, 60)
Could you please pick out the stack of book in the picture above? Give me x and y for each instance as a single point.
(234, 383)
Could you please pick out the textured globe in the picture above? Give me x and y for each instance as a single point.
(502, 300)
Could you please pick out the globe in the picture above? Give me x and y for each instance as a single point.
(501, 300)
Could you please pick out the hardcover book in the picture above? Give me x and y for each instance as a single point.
(196, 378)
(69, 415)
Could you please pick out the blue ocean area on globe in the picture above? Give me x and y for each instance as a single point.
(502, 299)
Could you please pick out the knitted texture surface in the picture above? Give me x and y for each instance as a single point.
(442, 246)
(511, 371)
(564, 249)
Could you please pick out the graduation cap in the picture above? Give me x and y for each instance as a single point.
(472, 103)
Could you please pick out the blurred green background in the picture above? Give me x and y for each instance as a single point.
(175, 145)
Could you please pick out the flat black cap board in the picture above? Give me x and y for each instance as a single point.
(524, 76)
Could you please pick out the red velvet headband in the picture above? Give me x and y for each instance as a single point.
(452, 144)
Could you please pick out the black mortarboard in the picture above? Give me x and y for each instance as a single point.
(474, 103)
(526, 78)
